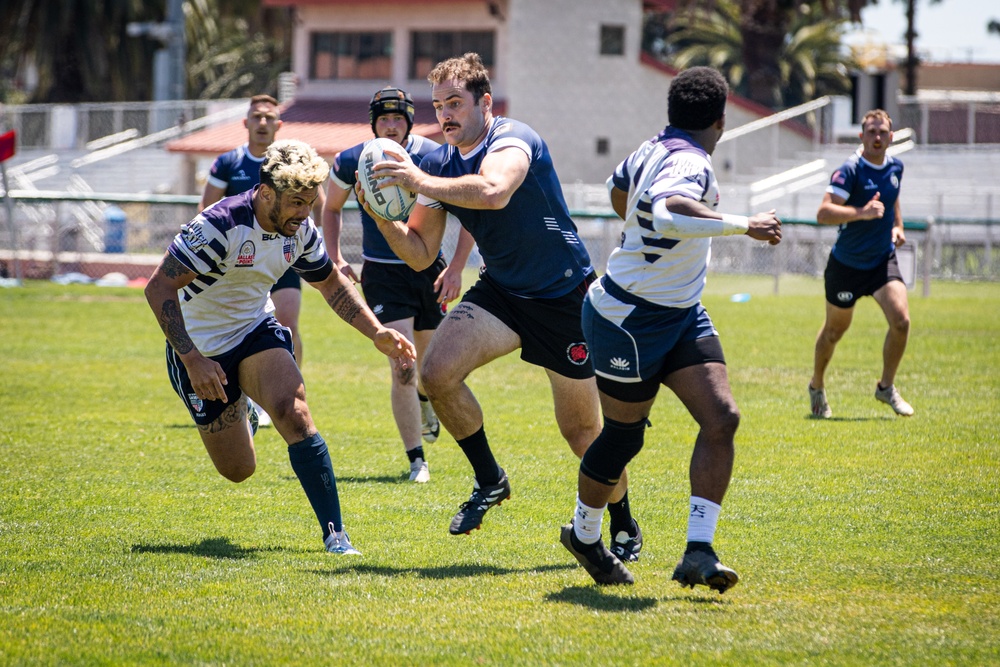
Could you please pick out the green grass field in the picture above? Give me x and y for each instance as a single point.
(863, 540)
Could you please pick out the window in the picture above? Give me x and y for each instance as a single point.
(350, 55)
(612, 40)
(430, 48)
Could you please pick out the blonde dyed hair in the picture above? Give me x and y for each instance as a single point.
(292, 165)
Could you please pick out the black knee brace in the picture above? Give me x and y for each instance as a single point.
(617, 444)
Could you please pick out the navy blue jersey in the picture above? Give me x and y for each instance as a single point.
(235, 171)
(864, 244)
(530, 247)
(374, 247)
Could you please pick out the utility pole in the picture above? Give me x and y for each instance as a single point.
(169, 69)
(912, 61)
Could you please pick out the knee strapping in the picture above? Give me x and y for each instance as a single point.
(618, 443)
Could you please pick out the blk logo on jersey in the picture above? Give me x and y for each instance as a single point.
(288, 249)
(247, 254)
(578, 354)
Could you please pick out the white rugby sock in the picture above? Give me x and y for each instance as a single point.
(702, 520)
(587, 522)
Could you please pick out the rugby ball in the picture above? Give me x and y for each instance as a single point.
(390, 202)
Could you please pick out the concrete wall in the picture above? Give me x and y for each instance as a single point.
(549, 71)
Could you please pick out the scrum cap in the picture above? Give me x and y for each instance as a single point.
(391, 100)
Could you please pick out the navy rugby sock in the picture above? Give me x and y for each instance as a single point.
(311, 462)
(621, 517)
(477, 450)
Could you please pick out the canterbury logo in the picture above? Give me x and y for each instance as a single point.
(619, 364)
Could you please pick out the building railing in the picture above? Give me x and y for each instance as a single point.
(53, 240)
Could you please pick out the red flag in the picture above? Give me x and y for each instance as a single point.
(7, 145)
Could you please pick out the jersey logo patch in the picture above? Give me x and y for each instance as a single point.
(501, 129)
(288, 249)
(247, 254)
(894, 180)
(193, 237)
(619, 364)
(196, 403)
(578, 354)
(838, 177)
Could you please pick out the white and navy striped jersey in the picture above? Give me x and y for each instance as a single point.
(530, 247)
(237, 262)
(649, 264)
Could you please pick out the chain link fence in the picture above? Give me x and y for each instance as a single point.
(55, 235)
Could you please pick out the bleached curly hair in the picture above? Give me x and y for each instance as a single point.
(292, 165)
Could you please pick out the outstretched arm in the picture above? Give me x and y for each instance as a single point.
(207, 376)
(340, 294)
(684, 217)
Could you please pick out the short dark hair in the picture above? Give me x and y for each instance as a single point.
(257, 99)
(696, 98)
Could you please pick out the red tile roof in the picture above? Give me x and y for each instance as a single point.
(329, 126)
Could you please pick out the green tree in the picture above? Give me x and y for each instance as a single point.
(78, 48)
(81, 51)
(809, 61)
(232, 55)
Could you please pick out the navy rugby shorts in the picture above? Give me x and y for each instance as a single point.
(845, 284)
(396, 292)
(636, 344)
(267, 335)
(551, 336)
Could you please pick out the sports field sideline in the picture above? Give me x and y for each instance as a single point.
(863, 540)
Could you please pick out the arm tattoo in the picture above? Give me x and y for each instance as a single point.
(172, 324)
(172, 268)
(345, 303)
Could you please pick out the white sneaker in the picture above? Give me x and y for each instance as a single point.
(891, 396)
(430, 426)
(419, 472)
(338, 543)
(263, 419)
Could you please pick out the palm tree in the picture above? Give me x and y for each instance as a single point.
(81, 51)
(79, 48)
(808, 62)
